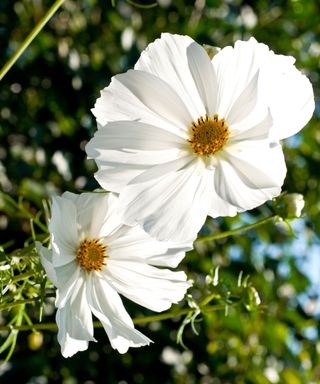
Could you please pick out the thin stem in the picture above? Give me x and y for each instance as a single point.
(4, 307)
(209, 298)
(235, 231)
(16, 278)
(7, 306)
(33, 327)
(26, 213)
(144, 6)
(35, 31)
(162, 316)
(138, 320)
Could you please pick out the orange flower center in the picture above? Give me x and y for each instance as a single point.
(91, 255)
(208, 136)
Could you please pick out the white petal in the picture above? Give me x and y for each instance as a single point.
(63, 229)
(172, 207)
(220, 207)
(67, 277)
(172, 257)
(281, 87)
(244, 105)
(125, 149)
(107, 306)
(290, 95)
(118, 103)
(96, 213)
(204, 76)
(132, 243)
(250, 174)
(254, 131)
(74, 321)
(134, 135)
(170, 58)
(69, 346)
(235, 68)
(62, 255)
(163, 169)
(151, 287)
(149, 98)
(114, 176)
(46, 261)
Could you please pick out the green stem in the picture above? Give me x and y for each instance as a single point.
(209, 298)
(138, 320)
(4, 307)
(143, 6)
(7, 306)
(25, 212)
(161, 316)
(16, 278)
(36, 30)
(235, 231)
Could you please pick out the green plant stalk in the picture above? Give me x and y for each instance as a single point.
(6, 306)
(235, 231)
(28, 40)
(26, 213)
(138, 320)
(16, 278)
(143, 6)
(11, 340)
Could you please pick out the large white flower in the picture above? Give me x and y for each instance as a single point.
(182, 136)
(94, 258)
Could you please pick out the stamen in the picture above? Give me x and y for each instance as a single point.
(208, 135)
(91, 255)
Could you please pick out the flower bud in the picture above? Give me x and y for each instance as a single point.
(35, 340)
(289, 205)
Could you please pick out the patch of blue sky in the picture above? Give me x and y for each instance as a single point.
(235, 253)
(293, 344)
(304, 248)
(311, 333)
(294, 141)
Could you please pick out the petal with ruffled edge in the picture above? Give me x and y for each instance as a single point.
(130, 243)
(124, 150)
(281, 87)
(235, 69)
(46, 261)
(151, 287)
(67, 276)
(96, 213)
(149, 97)
(246, 130)
(250, 173)
(63, 228)
(74, 320)
(171, 205)
(289, 95)
(69, 346)
(182, 63)
(107, 306)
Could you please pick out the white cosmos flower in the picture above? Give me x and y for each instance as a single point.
(182, 136)
(94, 258)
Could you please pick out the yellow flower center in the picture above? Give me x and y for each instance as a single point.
(91, 255)
(208, 136)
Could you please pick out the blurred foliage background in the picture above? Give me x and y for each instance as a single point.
(45, 122)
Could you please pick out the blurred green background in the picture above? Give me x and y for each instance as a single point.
(45, 122)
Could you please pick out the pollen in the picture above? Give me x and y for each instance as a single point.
(91, 255)
(208, 135)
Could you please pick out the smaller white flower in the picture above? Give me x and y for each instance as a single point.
(94, 258)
